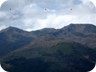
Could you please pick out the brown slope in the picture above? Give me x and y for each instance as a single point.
(81, 33)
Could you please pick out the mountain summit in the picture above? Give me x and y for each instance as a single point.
(12, 29)
(81, 28)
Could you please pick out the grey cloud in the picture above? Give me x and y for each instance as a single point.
(13, 4)
(36, 14)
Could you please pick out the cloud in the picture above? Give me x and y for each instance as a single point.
(38, 14)
(58, 21)
(2, 27)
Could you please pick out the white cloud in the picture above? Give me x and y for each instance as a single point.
(27, 22)
(85, 19)
(37, 14)
(2, 27)
(94, 2)
(56, 21)
(2, 14)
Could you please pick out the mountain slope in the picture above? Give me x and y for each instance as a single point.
(81, 33)
(13, 38)
(69, 49)
(62, 57)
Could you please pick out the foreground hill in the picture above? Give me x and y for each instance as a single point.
(62, 57)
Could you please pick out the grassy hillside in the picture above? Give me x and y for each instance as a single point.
(63, 57)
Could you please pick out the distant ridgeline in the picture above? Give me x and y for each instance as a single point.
(69, 49)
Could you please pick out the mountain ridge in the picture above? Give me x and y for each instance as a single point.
(70, 25)
(80, 33)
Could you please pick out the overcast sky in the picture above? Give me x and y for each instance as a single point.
(38, 14)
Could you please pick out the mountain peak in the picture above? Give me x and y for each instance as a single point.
(12, 29)
(80, 27)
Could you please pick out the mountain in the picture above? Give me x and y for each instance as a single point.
(71, 48)
(62, 57)
(43, 32)
(88, 28)
(13, 38)
(81, 33)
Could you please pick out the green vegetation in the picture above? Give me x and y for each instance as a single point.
(63, 57)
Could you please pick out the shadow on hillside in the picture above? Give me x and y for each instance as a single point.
(39, 65)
